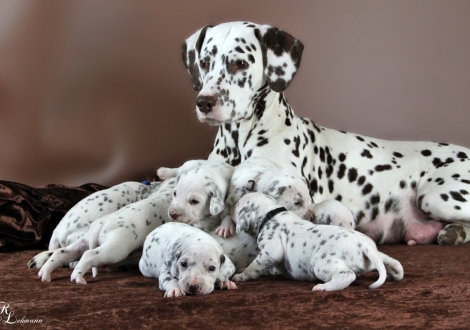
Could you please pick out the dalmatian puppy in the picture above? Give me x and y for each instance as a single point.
(289, 189)
(113, 237)
(198, 200)
(200, 191)
(185, 260)
(417, 192)
(307, 252)
(76, 222)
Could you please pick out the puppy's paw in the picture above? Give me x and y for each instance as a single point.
(77, 278)
(229, 285)
(40, 259)
(319, 287)
(165, 173)
(174, 293)
(225, 232)
(240, 277)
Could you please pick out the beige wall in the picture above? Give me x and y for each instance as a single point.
(95, 91)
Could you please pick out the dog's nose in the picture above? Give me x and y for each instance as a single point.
(205, 103)
(174, 215)
(194, 288)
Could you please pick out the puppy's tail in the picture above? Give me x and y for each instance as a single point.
(93, 233)
(376, 260)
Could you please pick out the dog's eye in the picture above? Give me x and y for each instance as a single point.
(174, 193)
(211, 268)
(241, 64)
(204, 64)
(298, 203)
(193, 202)
(184, 264)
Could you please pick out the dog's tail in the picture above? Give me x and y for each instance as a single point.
(376, 260)
(93, 234)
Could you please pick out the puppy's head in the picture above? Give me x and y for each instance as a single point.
(198, 268)
(235, 64)
(291, 191)
(198, 194)
(250, 211)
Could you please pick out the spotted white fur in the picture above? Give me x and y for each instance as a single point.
(397, 191)
(185, 260)
(304, 251)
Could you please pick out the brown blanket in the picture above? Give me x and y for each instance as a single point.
(28, 215)
(435, 294)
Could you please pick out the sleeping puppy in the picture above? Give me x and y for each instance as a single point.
(289, 189)
(114, 237)
(185, 260)
(307, 252)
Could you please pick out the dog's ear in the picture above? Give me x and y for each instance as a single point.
(190, 54)
(282, 54)
(227, 269)
(217, 200)
(274, 190)
(172, 263)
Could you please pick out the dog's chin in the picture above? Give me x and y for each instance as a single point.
(215, 118)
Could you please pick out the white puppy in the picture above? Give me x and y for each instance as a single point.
(198, 200)
(290, 190)
(185, 260)
(305, 251)
(78, 219)
(113, 237)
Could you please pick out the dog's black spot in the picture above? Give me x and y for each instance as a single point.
(366, 153)
(426, 153)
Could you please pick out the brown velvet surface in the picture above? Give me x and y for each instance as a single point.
(28, 215)
(434, 294)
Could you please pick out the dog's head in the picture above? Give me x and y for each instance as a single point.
(199, 193)
(250, 211)
(291, 191)
(199, 267)
(234, 65)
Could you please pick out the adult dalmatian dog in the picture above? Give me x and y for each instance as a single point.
(412, 191)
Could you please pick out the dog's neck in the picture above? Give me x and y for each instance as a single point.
(236, 139)
(271, 214)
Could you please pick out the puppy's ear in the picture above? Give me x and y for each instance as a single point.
(172, 263)
(190, 54)
(274, 190)
(227, 269)
(282, 54)
(217, 200)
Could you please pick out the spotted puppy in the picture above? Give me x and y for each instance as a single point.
(185, 260)
(289, 189)
(198, 200)
(200, 190)
(76, 222)
(305, 251)
(113, 237)
(397, 191)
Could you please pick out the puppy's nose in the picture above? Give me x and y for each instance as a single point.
(193, 288)
(174, 215)
(205, 103)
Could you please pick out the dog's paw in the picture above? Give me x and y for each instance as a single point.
(177, 292)
(225, 232)
(240, 277)
(77, 278)
(40, 259)
(165, 173)
(45, 277)
(319, 287)
(452, 234)
(229, 285)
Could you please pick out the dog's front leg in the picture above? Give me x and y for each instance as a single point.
(257, 267)
(169, 284)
